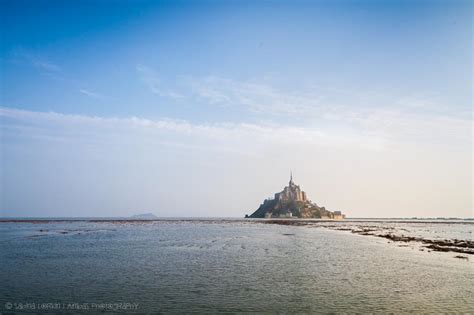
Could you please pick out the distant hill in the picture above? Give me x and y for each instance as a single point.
(144, 216)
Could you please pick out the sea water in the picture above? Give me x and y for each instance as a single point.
(184, 266)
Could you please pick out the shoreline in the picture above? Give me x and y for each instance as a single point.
(360, 227)
(445, 245)
(282, 221)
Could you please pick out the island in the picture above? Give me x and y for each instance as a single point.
(292, 202)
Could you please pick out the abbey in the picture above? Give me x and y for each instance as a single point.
(291, 192)
(293, 202)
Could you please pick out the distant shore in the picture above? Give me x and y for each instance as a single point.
(285, 221)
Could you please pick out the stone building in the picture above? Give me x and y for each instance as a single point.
(338, 215)
(292, 192)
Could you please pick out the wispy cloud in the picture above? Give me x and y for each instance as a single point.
(39, 63)
(379, 129)
(243, 137)
(91, 94)
(254, 96)
(53, 70)
(409, 118)
(153, 82)
(45, 65)
(418, 117)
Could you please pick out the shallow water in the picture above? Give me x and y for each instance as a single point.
(225, 266)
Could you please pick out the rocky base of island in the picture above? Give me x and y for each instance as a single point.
(275, 208)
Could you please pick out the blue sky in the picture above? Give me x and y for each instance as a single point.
(131, 99)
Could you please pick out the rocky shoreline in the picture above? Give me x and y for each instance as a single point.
(457, 246)
(439, 245)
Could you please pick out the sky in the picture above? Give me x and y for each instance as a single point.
(202, 108)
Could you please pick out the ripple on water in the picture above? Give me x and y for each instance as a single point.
(188, 267)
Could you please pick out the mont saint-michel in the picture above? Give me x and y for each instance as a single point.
(293, 202)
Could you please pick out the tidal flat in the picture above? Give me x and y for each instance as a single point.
(232, 265)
